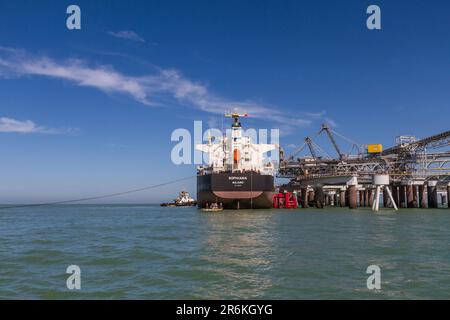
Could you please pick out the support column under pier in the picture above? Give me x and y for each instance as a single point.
(342, 194)
(432, 194)
(386, 200)
(371, 195)
(304, 197)
(401, 194)
(361, 198)
(415, 199)
(319, 197)
(395, 195)
(366, 197)
(352, 197)
(422, 197)
(301, 198)
(327, 199)
(448, 196)
(410, 196)
(311, 198)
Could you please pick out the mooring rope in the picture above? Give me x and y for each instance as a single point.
(96, 197)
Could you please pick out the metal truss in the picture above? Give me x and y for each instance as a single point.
(404, 162)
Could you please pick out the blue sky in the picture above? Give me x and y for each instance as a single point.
(91, 111)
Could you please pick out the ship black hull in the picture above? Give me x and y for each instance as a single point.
(248, 190)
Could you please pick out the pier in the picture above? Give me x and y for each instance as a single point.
(412, 174)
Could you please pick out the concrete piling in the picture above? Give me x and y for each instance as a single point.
(406, 194)
(361, 198)
(342, 198)
(304, 197)
(299, 198)
(415, 200)
(370, 197)
(422, 197)
(386, 200)
(352, 197)
(395, 195)
(366, 197)
(401, 195)
(319, 197)
(410, 196)
(432, 194)
(311, 197)
(448, 196)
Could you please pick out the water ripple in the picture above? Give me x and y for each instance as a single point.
(148, 252)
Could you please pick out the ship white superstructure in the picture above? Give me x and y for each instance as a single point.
(237, 153)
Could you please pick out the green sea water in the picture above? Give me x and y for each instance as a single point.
(149, 252)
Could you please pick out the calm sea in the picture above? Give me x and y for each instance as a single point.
(148, 252)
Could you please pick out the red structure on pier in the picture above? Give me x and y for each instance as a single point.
(286, 200)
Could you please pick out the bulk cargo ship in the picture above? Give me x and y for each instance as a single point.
(237, 176)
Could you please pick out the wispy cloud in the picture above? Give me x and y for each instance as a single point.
(17, 126)
(18, 62)
(155, 89)
(127, 34)
(10, 125)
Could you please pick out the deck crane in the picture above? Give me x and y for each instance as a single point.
(316, 151)
(327, 129)
(309, 143)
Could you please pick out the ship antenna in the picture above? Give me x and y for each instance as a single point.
(236, 115)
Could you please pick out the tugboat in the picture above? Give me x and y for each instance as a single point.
(237, 175)
(183, 200)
